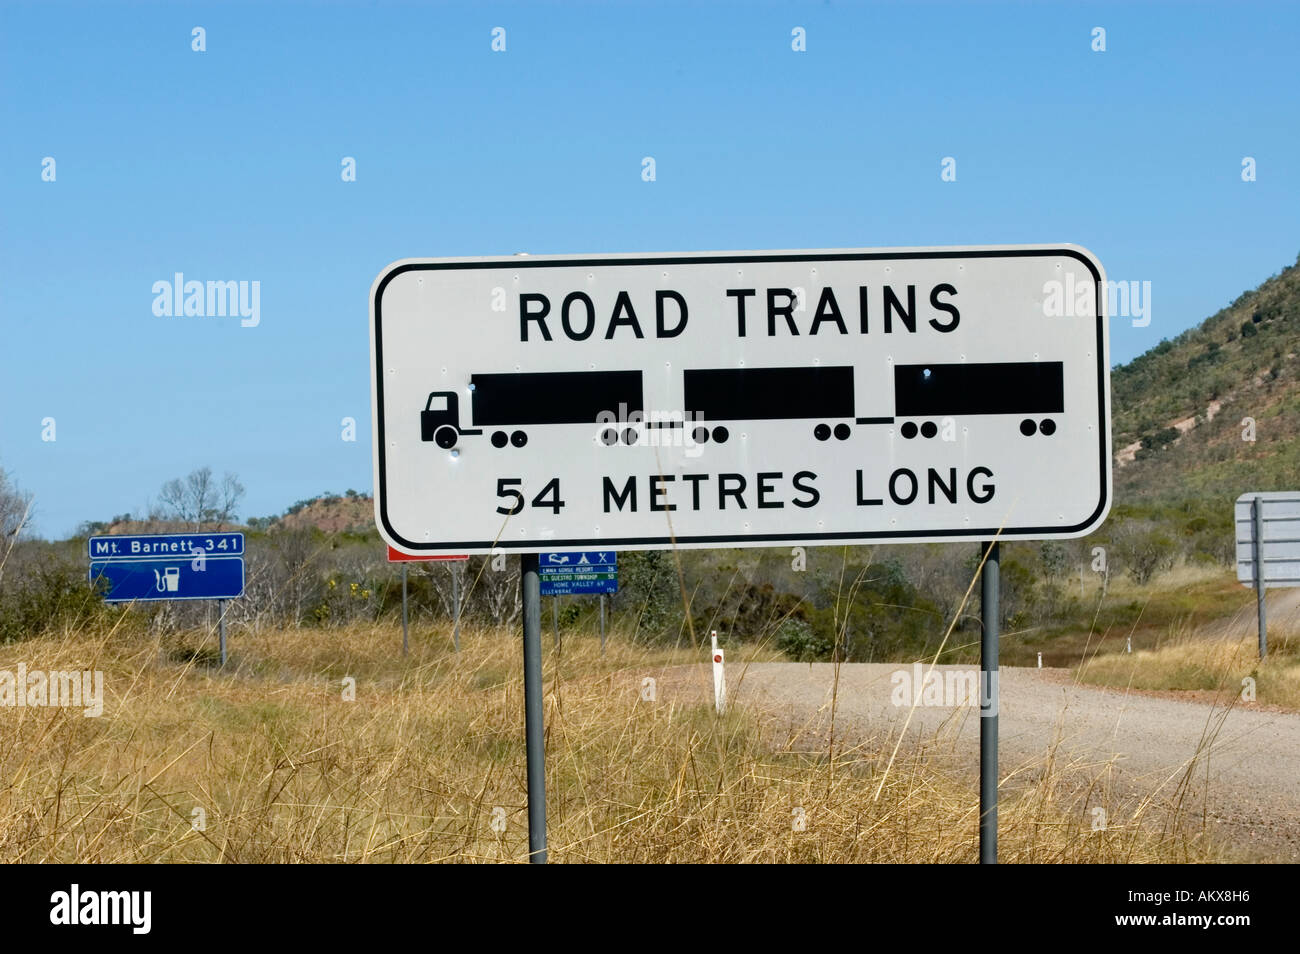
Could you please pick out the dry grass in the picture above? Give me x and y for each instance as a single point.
(1180, 577)
(414, 769)
(1189, 660)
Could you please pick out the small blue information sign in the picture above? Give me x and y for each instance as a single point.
(169, 566)
(578, 574)
(162, 545)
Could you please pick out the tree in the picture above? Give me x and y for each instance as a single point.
(293, 574)
(498, 589)
(199, 498)
(1144, 549)
(15, 506)
(648, 587)
(1055, 558)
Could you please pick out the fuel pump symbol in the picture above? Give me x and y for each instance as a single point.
(169, 581)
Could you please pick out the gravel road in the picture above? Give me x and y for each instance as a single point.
(1249, 760)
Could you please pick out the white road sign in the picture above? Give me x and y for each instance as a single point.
(740, 398)
(1280, 519)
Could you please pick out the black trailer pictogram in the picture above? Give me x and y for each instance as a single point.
(1019, 388)
(824, 394)
(512, 401)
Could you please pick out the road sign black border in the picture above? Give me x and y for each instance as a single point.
(1103, 439)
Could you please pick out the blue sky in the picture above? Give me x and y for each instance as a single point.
(225, 165)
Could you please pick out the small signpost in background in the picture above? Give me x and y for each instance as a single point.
(1268, 547)
(396, 556)
(171, 566)
(578, 574)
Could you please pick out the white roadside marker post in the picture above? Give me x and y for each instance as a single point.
(719, 677)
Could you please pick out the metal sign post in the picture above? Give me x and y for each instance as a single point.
(404, 640)
(534, 723)
(555, 619)
(396, 556)
(989, 706)
(455, 602)
(221, 628)
(602, 624)
(1257, 521)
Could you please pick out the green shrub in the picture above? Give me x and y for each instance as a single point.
(48, 594)
(648, 587)
(797, 639)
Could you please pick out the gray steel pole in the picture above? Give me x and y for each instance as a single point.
(455, 599)
(989, 707)
(555, 618)
(221, 628)
(602, 624)
(534, 725)
(1257, 555)
(404, 641)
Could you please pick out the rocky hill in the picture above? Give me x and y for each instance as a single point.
(330, 513)
(1215, 411)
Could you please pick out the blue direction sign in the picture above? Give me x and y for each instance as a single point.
(160, 545)
(578, 574)
(177, 566)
